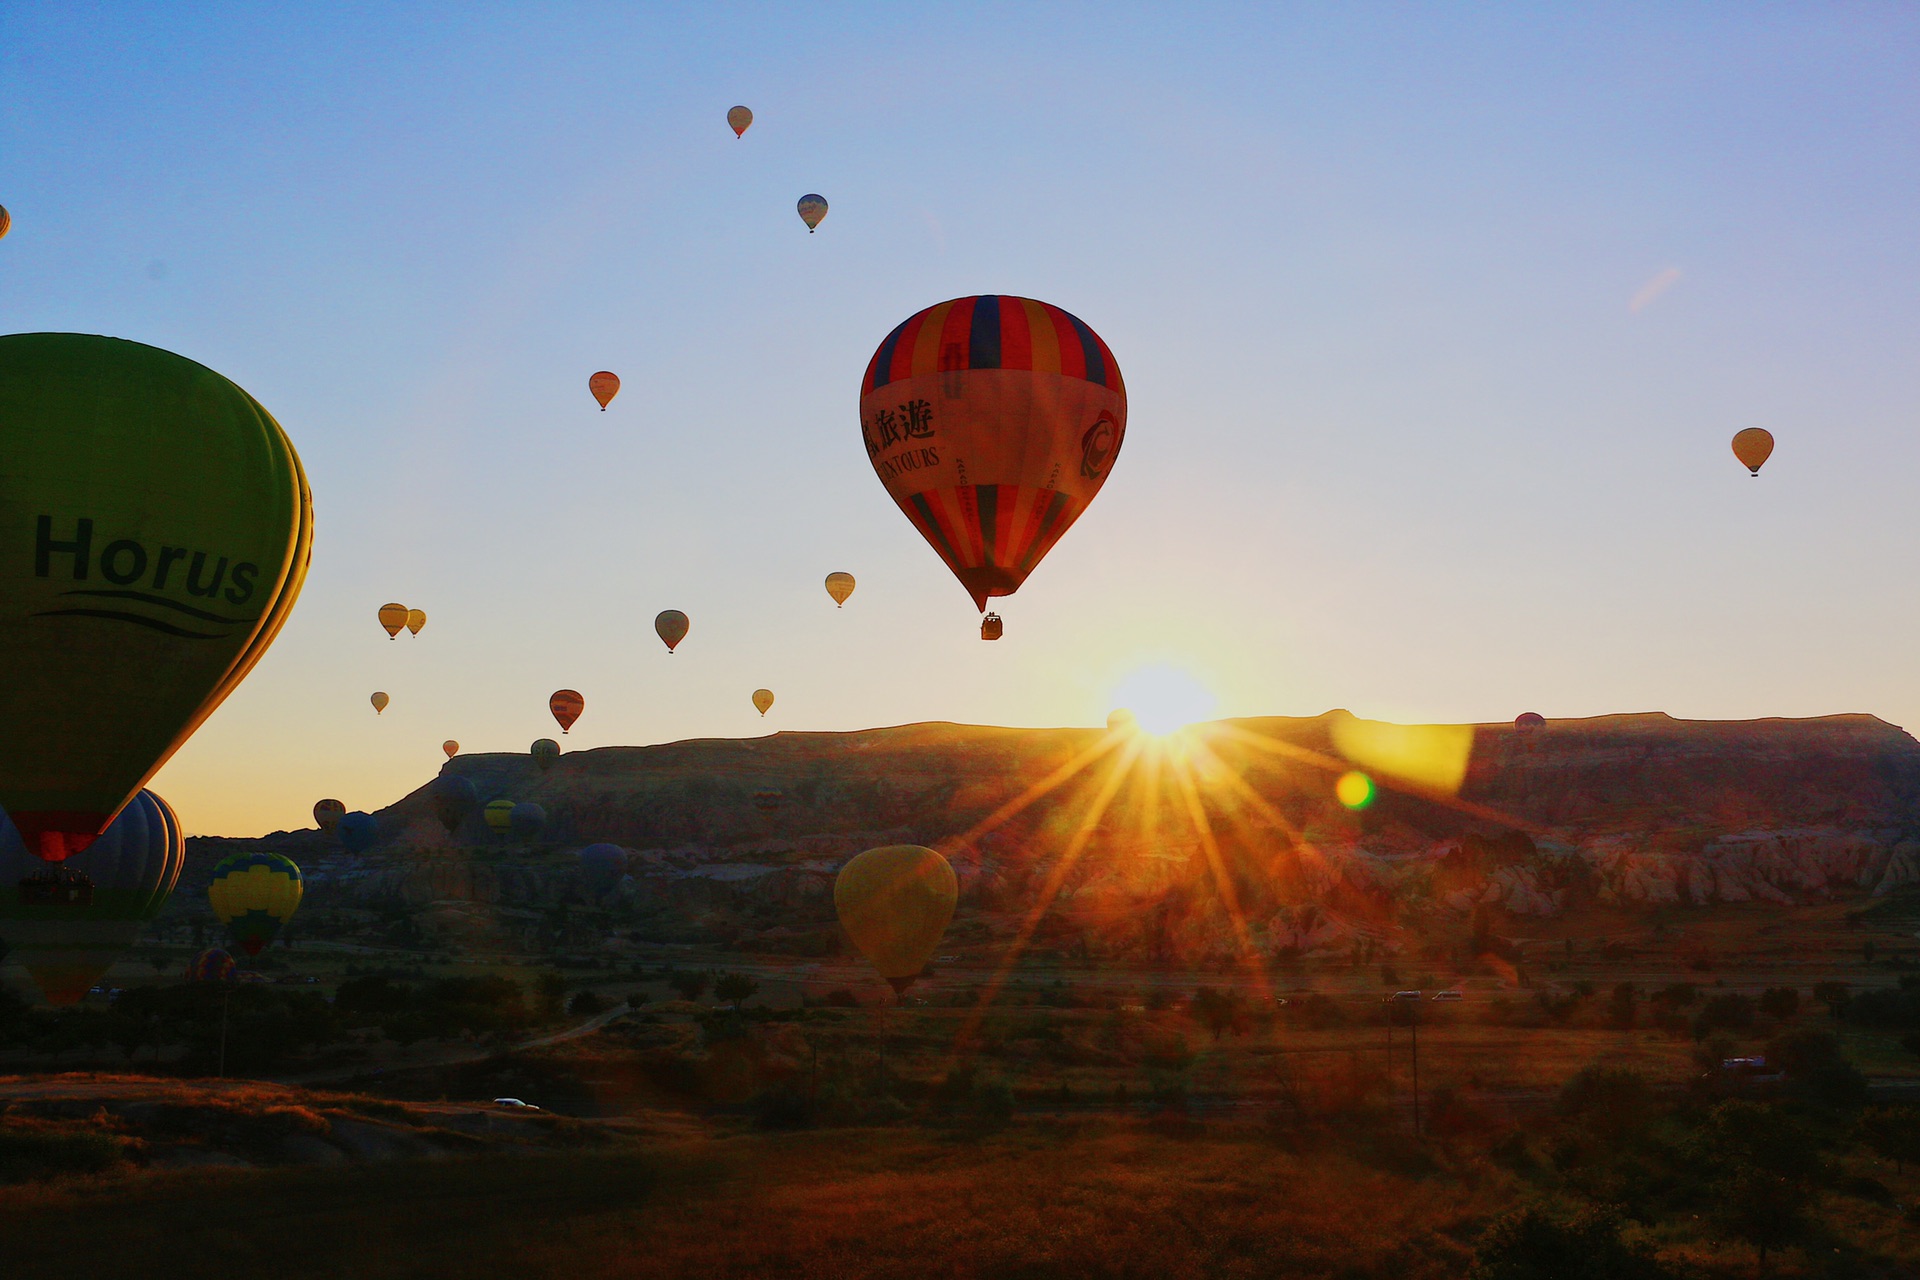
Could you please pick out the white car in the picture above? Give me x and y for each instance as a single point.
(514, 1104)
(1407, 995)
(1454, 994)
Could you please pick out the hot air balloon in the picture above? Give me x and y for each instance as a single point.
(6, 222)
(451, 747)
(545, 751)
(768, 800)
(393, 617)
(327, 814)
(453, 798)
(992, 421)
(671, 626)
(527, 819)
(895, 902)
(379, 701)
(738, 117)
(499, 814)
(1528, 721)
(839, 586)
(604, 386)
(253, 894)
(66, 925)
(1753, 447)
(211, 965)
(416, 619)
(157, 527)
(602, 864)
(812, 209)
(566, 706)
(762, 699)
(358, 831)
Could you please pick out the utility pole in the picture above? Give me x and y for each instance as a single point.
(1414, 1014)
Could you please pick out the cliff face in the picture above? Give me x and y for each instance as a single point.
(1189, 849)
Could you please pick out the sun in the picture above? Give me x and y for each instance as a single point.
(1163, 698)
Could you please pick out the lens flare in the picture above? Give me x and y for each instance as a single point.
(1354, 790)
(1163, 698)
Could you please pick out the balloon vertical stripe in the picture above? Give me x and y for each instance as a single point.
(992, 332)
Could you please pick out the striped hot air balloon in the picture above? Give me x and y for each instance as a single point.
(993, 421)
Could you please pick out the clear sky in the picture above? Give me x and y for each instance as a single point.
(1435, 321)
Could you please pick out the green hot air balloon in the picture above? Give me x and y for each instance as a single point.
(155, 527)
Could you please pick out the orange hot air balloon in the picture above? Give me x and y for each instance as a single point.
(451, 747)
(671, 626)
(416, 619)
(993, 422)
(379, 701)
(1753, 447)
(762, 699)
(566, 706)
(739, 118)
(393, 617)
(605, 386)
(839, 586)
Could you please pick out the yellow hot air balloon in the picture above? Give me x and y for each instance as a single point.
(839, 586)
(451, 747)
(499, 814)
(253, 894)
(739, 118)
(604, 386)
(671, 626)
(379, 701)
(1753, 447)
(416, 619)
(393, 617)
(895, 903)
(763, 698)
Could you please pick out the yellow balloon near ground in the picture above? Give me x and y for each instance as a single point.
(895, 903)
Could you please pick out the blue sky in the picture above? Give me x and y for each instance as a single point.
(1435, 322)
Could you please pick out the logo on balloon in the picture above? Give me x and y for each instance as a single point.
(1098, 446)
(124, 564)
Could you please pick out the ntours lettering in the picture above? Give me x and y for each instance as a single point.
(125, 562)
(911, 460)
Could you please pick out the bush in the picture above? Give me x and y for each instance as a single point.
(30, 1151)
(1817, 1069)
(1612, 1103)
(585, 1004)
(1730, 1012)
(1532, 1245)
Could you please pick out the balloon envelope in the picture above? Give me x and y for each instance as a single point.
(453, 798)
(527, 819)
(895, 903)
(416, 619)
(738, 117)
(451, 747)
(566, 706)
(604, 386)
(6, 222)
(392, 618)
(812, 209)
(1753, 447)
(157, 526)
(762, 699)
(499, 814)
(327, 814)
(671, 626)
(253, 894)
(992, 422)
(545, 751)
(67, 945)
(839, 586)
(211, 965)
(379, 701)
(603, 863)
(1527, 721)
(358, 831)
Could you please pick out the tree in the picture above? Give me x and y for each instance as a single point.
(1533, 1245)
(585, 1004)
(735, 987)
(691, 984)
(1763, 1168)
(1892, 1133)
(1218, 1011)
(1780, 1003)
(1817, 1069)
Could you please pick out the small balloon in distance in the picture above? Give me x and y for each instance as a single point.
(762, 700)
(671, 626)
(1753, 447)
(566, 705)
(451, 747)
(840, 586)
(812, 209)
(739, 118)
(379, 701)
(416, 619)
(393, 617)
(604, 386)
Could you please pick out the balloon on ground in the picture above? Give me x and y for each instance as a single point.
(1529, 721)
(671, 626)
(67, 925)
(212, 965)
(1753, 447)
(254, 894)
(839, 586)
(738, 117)
(895, 903)
(993, 422)
(566, 705)
(604, 387)
(156, 525)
